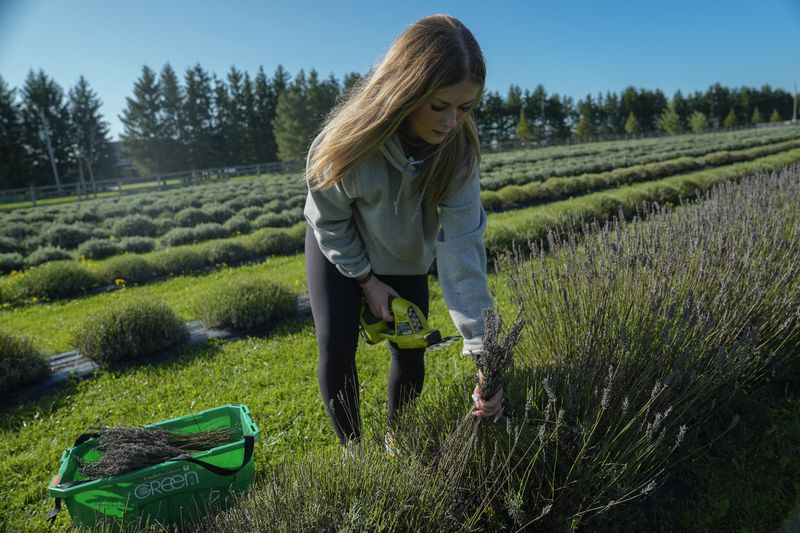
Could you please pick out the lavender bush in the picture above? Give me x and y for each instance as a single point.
(633, 337)
(638, 334)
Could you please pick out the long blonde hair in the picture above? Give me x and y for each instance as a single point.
(431, 54)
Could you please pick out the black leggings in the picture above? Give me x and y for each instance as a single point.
(335, 305)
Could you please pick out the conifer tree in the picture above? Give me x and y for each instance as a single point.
(669, 121)
(235, 128)
(222, 127)
(14, 161)
(557, 109)
(756, 118)
(631, 125)
(512, 107)
(350, 79)
(490, 117)
(537, 103)
(698, 122)
(524, 132)
(171, 118)
(587, 112)
(44, 109)
(775, 117)
(322, 96)
(291, 120)
(142, 136)
(264, 114)
(249, 143)
(584, 128)
(90, 134)
(299, 115)
(730, 120)
(197, 118)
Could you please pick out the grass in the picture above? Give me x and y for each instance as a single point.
(49, 325)
(275, 376)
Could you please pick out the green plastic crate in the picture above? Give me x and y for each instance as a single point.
(177, 492)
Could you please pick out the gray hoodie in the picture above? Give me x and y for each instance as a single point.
(373, 220)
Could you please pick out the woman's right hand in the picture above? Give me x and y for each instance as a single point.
(377, 293)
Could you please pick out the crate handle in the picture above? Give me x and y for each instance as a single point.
(83, 437)
(249, 444)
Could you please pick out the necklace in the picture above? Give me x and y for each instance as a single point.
(416, 162)
(410, 146)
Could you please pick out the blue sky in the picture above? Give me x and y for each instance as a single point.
(571, 47)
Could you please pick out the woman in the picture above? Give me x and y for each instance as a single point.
(394, 184)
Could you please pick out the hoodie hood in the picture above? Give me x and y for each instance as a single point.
(396, 155)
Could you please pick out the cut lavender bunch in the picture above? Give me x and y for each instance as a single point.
(130, 448)
(497, 353)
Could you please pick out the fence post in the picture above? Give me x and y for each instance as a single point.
(33, 195)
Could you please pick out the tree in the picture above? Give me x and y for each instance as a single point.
(222, 127)
(301, 112)
(583, 129)
(534, 108)
(236, 120)
(681, 105)
(698, 122)
(90, 134)
(557, 111)
(669, 121)
(631, 125)
(490, 116)
(248, 152)
(587, 124)
(295, 121)
(264, 114)
(14, 161)
(198, 134)
(321, 97)
(172, 120)
(45, 119)
(524, 132)
(756, 118)
(720, 99)
(613, 115)
(646, 105)
(730, 120)
(142, 136)
(350, 79)
(775, 117)
(512, 107)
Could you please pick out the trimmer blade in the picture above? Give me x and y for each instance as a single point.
(443, 343)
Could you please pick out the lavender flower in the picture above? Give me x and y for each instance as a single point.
(497, 353)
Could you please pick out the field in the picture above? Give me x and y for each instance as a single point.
(607, 420)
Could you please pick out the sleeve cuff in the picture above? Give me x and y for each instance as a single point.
(354, 274)
(472, 346)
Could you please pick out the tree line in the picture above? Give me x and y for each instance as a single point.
(46, 133)
(201, 120)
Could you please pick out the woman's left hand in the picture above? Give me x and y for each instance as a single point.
(487, 408)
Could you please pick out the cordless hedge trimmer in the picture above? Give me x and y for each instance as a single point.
(409, 329)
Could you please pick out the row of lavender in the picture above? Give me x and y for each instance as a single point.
(144, 222)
